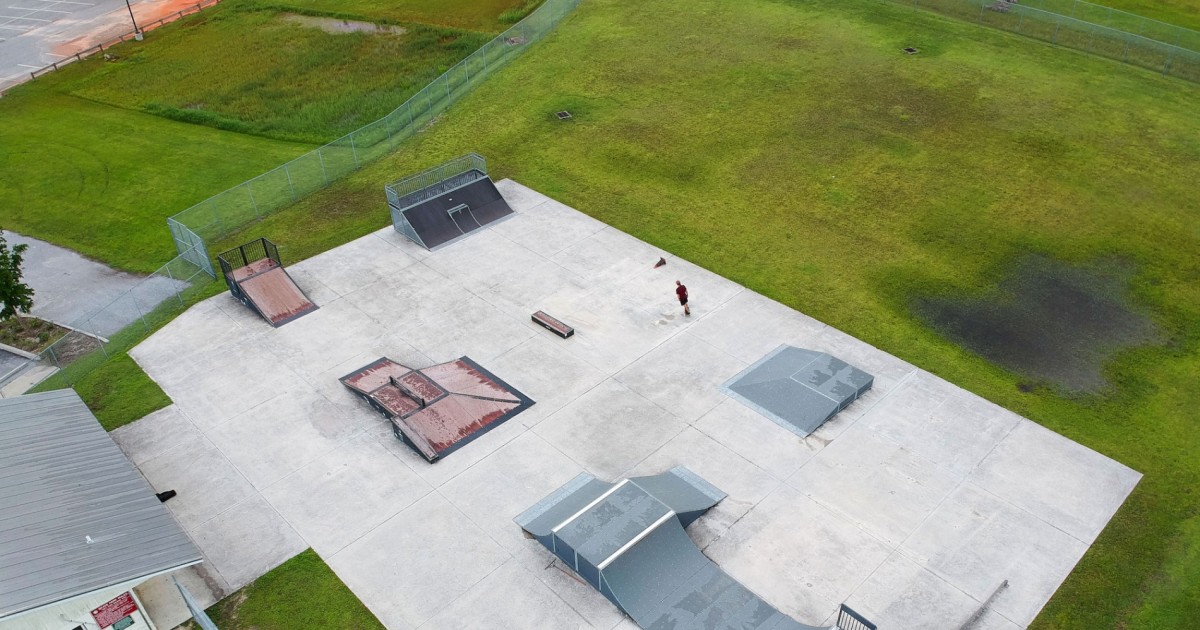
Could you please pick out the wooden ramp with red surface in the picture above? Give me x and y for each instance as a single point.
(438, 409)
(274, 294)
(255, 275)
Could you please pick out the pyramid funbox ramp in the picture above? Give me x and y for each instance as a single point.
(799, 389)
(628, 541)
(438, 409)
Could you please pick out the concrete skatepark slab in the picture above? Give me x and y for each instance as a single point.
(910, 505)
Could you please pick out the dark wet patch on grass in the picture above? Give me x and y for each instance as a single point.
(1048, 321)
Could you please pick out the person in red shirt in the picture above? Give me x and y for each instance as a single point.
(681, 293)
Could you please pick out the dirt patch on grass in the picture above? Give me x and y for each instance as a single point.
(73, 346)
(30, 333)
(1048, 321)
(336, 26)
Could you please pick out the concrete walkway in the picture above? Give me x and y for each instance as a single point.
(912, 505)
(75, 291)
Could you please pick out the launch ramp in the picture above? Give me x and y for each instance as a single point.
(256, 277)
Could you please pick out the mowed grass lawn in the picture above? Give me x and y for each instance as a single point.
(101, 180)
(480, 15)
(792, 147)
(91, 159)
(300, 593)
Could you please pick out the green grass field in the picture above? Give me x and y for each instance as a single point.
(300, 593)
(1185, 13)
(102, 180)
(790, 146)
(289, 81)
(490, 16)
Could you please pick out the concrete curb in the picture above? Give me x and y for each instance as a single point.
(19, 352)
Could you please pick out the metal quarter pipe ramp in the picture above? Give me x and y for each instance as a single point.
(256, 277)
(443, 204)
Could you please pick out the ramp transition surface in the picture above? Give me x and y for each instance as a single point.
(256, 277)
(628, 541)
(276, 297)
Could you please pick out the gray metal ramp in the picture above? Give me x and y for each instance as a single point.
(628, 541)
(799, 389)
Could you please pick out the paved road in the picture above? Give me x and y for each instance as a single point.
(36, 33)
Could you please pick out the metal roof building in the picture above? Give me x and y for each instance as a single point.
(78, 523)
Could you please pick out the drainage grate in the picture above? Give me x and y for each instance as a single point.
(912, 51)
(563, 115)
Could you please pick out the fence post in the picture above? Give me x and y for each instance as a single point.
(252, 201)
(290, 186)
(1054, 38)
(324, 175)
(170, 275)
(57, 363)
(353, 150)
(217, 220)
(141, 313)
(96, 334)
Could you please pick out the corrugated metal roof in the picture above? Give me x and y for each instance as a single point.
(63, 481)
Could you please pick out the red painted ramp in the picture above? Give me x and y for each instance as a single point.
(276, 296)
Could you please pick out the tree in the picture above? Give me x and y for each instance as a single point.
(15, 296)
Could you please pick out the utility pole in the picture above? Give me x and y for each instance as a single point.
(137, 33)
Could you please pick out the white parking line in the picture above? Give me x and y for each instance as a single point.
(13, 17)
(16, 28)
(25, 65)
(38, 10)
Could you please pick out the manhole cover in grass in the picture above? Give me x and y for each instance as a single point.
(1048, 321)
(912, 51)
(563, 115)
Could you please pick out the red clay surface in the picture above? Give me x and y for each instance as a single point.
(276, 296)
(112, 25)
(460, 401)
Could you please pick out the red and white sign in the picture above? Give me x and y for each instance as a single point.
(115, 610)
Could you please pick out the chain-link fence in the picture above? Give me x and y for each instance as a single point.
(159, 297)
(114, 328)
(1092, 28)
(223, 213)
